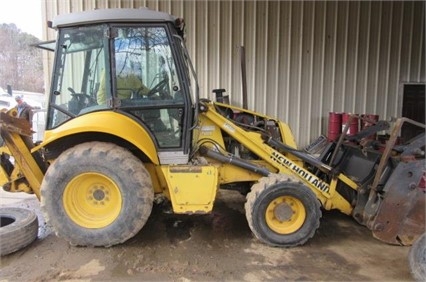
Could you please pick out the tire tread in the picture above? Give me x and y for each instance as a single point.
(98, 152)
(257, 189)
(19, 234)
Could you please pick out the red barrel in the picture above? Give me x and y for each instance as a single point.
(334, 126)
(353, 126)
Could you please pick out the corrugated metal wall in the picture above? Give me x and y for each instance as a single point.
(304, 59)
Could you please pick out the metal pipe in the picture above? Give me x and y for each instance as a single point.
(233, 160)
(243, 76)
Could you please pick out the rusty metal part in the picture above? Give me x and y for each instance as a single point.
(368, 131)
(13, 124)
(17, 136)
(400, 217)
(388, 150)
(395, 212)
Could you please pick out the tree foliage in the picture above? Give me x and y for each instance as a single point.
(21, 65)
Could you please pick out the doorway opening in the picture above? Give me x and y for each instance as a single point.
(413, 107)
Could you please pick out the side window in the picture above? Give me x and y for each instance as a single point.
(80, 61)
(146, 81)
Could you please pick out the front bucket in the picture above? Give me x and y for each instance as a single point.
(400, 219)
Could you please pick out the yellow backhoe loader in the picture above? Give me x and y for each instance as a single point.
(125, 125)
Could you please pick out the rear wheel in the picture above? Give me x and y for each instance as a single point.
(281, 211)
(97, 194)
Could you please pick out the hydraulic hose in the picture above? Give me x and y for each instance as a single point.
(303, 156)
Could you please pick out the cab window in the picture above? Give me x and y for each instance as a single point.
(146, 81)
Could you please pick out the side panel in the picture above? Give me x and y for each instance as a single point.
(207, 131)
(192, 188)
(106, 122)
(287, 134)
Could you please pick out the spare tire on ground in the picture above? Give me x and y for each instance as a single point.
(417, 258)
(18, 228)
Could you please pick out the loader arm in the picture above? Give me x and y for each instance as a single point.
(27, 175)
(326, 192)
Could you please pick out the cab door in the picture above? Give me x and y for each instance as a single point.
(147, 84)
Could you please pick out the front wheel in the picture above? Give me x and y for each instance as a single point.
(282, 212)
(96, 194)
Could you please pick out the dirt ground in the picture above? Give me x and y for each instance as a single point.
(213, 247)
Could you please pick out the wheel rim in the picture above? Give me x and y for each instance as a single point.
(92, 200)
(285, 214)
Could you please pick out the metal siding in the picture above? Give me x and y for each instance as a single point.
(250, 34)
(213, 51)
(284, 55)
(303, 58)
(341, 52)
(383, 58)
(374, 56)
(224, 71)
(306, 59)
(272, 22)
(236, 37)
(418, 29)
(261, 46)
(318, 55)
(363, 57)
(349, 87)
(296, 33)
(397, 21)
(330, 58)
(407, 37)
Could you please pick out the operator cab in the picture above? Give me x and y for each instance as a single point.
(129, 61)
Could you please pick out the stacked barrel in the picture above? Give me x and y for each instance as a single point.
(334, 126)
(338, 120)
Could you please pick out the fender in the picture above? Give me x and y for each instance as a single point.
(108, 122)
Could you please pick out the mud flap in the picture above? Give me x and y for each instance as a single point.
(400, 219)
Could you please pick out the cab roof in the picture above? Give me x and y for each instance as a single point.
(111, 15)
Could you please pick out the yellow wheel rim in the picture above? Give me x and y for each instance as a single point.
(285, 215)
(92, 200)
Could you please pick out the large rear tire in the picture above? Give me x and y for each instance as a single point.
(282, 212)
(97, 194)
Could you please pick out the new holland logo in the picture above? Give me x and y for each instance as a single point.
(315, 181)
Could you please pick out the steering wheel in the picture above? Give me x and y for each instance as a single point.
(160, 88)
(81, 97)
